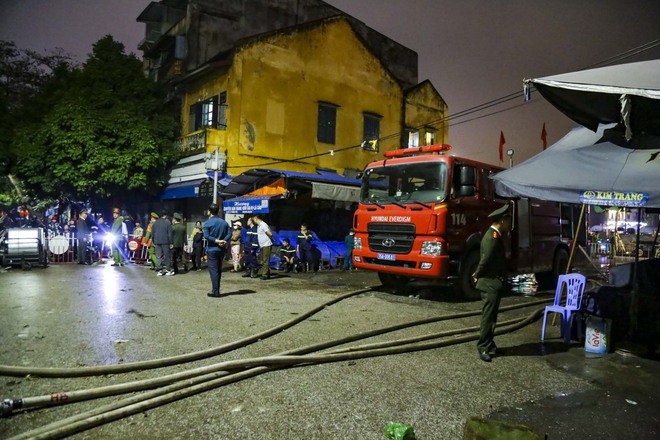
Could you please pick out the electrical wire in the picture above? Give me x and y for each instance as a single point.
(624, 55)
(494, 102)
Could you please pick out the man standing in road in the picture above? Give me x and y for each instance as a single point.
(83, 236)
(161, 234)
(304, 245)
(217, 234)
(491, 279)
(117, 231)
(265, 238)
(147, 240)
(178, 241)
(251, 249)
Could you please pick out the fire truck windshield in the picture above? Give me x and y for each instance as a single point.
(416, 182)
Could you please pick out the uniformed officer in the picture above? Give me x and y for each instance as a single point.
(148, 242)
(304, 245)
(288, 258)
(251, 248)
(178, 241)
(491, 279)
(117, 230)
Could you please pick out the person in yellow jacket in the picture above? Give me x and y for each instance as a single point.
(147, 241)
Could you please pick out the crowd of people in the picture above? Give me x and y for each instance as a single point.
(167, 248)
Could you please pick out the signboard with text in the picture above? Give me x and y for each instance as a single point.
(245, 206)
(613, 198)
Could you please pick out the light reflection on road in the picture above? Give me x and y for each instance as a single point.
(109, 289)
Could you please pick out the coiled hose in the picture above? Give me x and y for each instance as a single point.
(185, 384)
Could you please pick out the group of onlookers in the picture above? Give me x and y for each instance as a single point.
(252, 249)
(168, 247)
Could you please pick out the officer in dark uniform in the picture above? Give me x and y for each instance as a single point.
(491, 279)
(288, 258)
(251, 249)
(83, 236)
(304, 245)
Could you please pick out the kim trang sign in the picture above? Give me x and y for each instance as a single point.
(614, 198)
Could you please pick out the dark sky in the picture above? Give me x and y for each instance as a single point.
(473, 51)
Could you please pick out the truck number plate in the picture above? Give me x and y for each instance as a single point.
(388, 257)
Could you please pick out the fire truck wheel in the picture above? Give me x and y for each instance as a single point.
(390, 281)
(559, 265)
(466, 284)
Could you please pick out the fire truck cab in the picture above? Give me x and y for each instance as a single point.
(422, 215)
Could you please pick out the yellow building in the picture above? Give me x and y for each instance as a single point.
(307, 97)
(295, 112)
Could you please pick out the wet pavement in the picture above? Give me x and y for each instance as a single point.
(77, 316)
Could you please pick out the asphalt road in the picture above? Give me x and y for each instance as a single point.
(82, 316)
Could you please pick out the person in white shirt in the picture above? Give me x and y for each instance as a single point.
(265, 238)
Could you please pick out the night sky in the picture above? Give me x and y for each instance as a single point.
(473, 51)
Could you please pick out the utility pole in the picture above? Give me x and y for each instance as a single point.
(215, 177)
(212, 163)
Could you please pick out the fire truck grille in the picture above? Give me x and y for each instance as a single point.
(392, 238)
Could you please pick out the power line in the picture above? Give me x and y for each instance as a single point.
(484, 106)
(627, 54)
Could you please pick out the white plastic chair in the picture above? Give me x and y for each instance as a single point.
(575, 284)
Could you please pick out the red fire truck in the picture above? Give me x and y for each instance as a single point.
(422, 214)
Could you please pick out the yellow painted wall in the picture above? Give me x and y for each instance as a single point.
(281, 81)
(273, 89)
(425, 109)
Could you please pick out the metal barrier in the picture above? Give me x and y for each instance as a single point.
(600, 248)
(63, 249)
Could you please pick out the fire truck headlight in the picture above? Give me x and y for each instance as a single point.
(357, 258)
(432, 248)
(109, 238)
(357, 242)
(426, 265)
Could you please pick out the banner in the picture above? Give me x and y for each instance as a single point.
(612, 198)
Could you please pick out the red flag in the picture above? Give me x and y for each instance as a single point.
(502, 142)
(544, 137)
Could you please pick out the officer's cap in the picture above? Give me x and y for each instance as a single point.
(178, 216)
(116, 211)
(154, 215)
(499, 212)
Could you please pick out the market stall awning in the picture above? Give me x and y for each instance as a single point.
(182, 190)
(625, 93)
(252, 180)
(588, 167)
(249, 204)
(328, 191)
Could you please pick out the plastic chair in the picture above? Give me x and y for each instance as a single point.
(575, 284)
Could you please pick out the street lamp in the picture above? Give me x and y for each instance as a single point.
(509, 153)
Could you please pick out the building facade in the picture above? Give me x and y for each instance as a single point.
(283, 85)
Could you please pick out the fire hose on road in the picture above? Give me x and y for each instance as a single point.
(181, 385)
